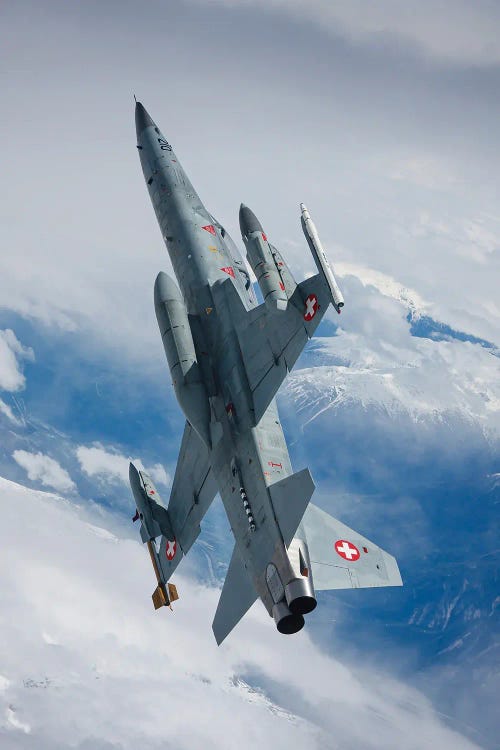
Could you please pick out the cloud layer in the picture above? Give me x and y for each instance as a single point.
(100, 645)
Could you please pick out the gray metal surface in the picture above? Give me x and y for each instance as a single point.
(343, 558)
(238, 595)
(227, 357)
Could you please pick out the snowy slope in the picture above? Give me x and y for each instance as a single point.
(421, 385)
(388, 353)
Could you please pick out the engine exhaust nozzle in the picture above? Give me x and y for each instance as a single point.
(287, 622)
(300, 596)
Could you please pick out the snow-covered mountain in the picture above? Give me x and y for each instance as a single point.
(388, 353)
(345, 372)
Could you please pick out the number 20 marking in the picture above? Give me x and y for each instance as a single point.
(164, 145)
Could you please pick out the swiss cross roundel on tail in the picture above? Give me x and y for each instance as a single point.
(170, 549)
(347, 550)
(311, 307)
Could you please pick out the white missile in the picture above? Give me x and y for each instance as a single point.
(320, 258)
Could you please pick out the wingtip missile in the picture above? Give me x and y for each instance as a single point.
(154, 522)
(319, 255)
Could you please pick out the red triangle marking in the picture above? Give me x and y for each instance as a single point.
(209, 228)
(264, 237)
(229, 270)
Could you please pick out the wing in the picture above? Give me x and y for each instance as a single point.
(193, 489)
(342, 559)
(271, 342)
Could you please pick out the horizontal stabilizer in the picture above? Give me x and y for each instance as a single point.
(238, 595)
(342, 559)
(290, 497)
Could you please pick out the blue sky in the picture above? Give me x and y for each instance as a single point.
(384, 121)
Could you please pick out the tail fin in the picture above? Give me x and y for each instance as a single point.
(238, 595)
(342, 559)
(290, 497)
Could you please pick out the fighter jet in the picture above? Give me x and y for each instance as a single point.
(228, 356)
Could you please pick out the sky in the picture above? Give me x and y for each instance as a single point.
(383, 119)
(385, 126)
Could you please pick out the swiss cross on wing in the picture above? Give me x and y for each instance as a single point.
(170, 549)
(311, 307)
(347, 550)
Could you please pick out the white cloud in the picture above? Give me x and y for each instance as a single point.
(385, 284)
(108, 648)
(159, 475)
(42, 468)
(11, 352)
(110, 465)
(14, 722)
(471, 237)
(425, 171)
(5, 409)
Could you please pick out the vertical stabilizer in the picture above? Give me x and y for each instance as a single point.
(238, 595)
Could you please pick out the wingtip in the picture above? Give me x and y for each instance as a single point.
(217, 637)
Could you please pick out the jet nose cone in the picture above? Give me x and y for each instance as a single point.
(248, 221)
(142, 119)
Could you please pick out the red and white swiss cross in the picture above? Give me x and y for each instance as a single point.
(311, 307)
(347, 550)
(170, 549)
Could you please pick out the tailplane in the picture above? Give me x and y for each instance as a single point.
(342, 558)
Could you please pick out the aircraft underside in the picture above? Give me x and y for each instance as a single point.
(228, 356)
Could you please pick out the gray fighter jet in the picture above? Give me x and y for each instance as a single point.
(228, 356)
